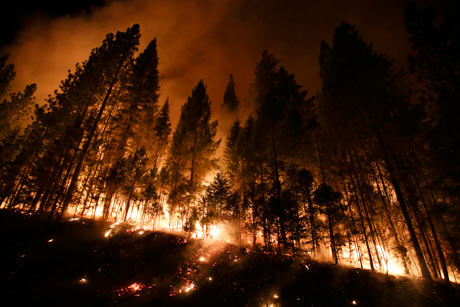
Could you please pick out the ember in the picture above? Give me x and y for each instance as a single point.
(107, 233)
(189, 288)
(83, 281)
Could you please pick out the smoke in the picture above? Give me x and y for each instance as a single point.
(205, 39)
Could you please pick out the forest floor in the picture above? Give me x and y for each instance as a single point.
(73, 263)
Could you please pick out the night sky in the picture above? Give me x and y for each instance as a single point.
(196, 39)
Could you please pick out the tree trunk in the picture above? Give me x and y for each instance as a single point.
(363, 227)
(402, 203)
(76, 173)
(279, 205)
(430, 222)
(390, 220)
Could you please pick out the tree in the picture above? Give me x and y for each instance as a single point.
(301, 182)
(7, 75)
(435, 62)
(193, 144)
(231, 102)
(328, 199)
(15, 111)
(278, 98)
(355, 77)
(162, 130)
(116, 53)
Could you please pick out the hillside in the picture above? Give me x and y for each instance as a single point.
(72, 263)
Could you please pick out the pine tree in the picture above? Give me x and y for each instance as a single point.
(115, 54)
(193, 145)
(327, 198)
(355, 77)
(231, 102)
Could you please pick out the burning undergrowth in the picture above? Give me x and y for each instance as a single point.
(76, 263)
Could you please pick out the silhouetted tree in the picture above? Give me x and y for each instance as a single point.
(231, 102)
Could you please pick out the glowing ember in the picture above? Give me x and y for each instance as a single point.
(107, 233)
(141, 232)
(354, 302)
(50, 240)
(275, 296)
(189, 288)
(83, 281)
(135, 287)
(202, 259)
(210, 278)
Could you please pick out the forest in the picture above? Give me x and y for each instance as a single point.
(365, 173)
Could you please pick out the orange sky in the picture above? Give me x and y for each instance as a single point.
(206, 39)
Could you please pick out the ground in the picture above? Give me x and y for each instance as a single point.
(74, 263)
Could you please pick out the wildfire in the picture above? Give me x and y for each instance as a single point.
(389, 263)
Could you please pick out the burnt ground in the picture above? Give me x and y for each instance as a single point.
(72, 263)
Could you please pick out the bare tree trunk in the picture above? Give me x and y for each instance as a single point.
(430, 222)
(403, 206)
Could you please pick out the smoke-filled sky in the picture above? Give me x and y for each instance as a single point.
(206, 39)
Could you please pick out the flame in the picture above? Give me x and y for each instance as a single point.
(215, 231)
(390, 264)
(171, 221)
